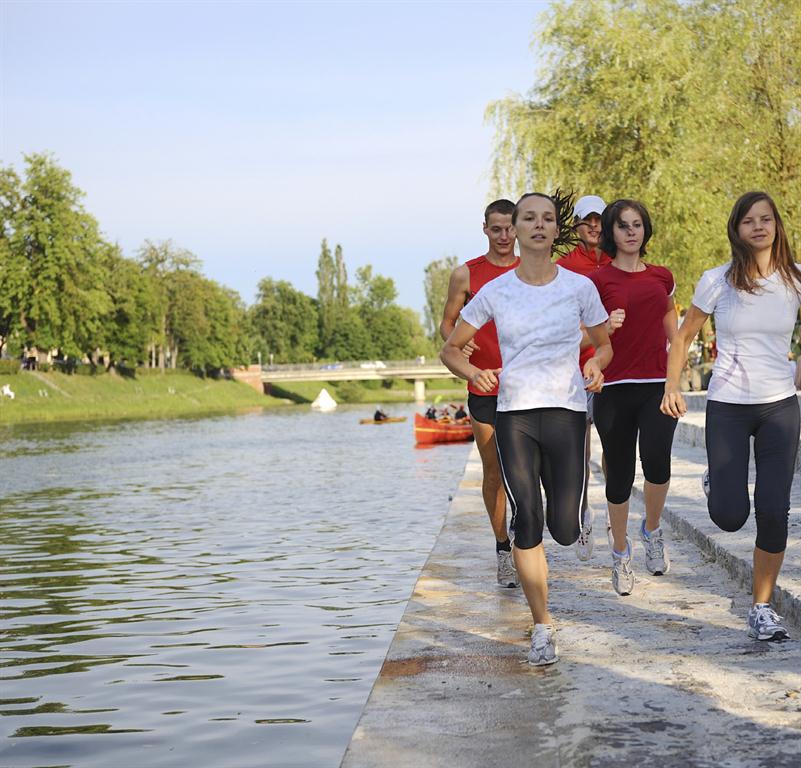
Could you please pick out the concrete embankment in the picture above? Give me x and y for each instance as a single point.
(665, 677)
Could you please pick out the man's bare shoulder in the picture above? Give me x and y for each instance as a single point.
(460, 280)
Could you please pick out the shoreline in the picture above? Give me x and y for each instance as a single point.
(53, 397)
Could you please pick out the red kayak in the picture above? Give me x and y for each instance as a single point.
(427, 431)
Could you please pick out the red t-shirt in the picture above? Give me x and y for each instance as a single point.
(585, 263)
(489, 356)
(640, 344)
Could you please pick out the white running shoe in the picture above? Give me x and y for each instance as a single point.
(705, 482)
(507, 573)
(765, 624)
(622, 575)
(584, 542)
(543, 646)
(656, 558)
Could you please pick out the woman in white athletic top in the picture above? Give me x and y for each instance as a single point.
(755, 300)
(538, 309)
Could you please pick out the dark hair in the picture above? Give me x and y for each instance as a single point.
(611, 215)
(743, 273)
(502, 206)
(566, 238)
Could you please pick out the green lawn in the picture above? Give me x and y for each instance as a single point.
(397, 391)
(58, 397)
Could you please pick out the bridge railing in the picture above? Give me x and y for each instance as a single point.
(345, 364)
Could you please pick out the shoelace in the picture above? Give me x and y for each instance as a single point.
(507, 566)
(658, 547)
(540, 640)
(766, 615)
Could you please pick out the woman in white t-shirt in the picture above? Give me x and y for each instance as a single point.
(538, 309)
(755, 300)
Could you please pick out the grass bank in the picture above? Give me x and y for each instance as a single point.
(386, 391)
(52, 396)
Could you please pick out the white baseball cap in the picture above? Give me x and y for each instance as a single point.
(587, 205)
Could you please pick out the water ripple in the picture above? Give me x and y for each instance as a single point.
(168, 588)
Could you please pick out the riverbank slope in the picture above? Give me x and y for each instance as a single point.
(53, 396)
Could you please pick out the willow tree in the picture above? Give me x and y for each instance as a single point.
(682, 104)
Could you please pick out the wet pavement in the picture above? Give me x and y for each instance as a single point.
(664, 677)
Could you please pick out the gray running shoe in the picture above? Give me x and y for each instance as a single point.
(705, 482)
(622, 575)
(765, 624)
(584, 542)
(656, 559)
(507, 574)
(543, 646)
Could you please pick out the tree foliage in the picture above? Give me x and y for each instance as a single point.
(65, 289)
(684, 105)
(285, 322)
(435, 283)
(53, 262)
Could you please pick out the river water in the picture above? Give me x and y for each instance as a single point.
(216, 592)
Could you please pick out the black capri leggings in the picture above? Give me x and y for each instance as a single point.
(620, 412)
(774, 427)
(542, 444)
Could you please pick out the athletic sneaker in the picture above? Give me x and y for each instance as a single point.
(656, 559)
(705, 482)
(622, 575)
(584, 542)
(543, 646)
(765, 624)
(507, 574)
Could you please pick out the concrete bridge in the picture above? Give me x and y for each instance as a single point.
(414, 370)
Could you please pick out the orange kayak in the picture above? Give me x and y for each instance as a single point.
(427, 431)
(389, 420)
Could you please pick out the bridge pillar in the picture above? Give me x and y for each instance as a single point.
(419, 390)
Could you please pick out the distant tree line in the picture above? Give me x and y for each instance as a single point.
(344, 322)
(684, 104)
(66, 289)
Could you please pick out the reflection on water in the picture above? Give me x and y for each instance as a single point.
(219, 592)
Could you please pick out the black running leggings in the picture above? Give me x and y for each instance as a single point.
(774, 427)
(547, 445)
(621, 411)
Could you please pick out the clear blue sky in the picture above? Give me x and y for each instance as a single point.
(248, 131)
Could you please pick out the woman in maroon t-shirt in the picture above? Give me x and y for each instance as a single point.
(643, 319)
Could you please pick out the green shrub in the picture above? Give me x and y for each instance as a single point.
(86, 370)
(65, 366)
(351, 391)
(44, 367)
(9, 367)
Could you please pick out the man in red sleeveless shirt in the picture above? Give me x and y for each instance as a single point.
(484, 352)
(586, 258)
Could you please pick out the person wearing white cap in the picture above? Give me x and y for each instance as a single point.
(586, 258)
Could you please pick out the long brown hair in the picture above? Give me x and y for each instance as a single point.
(744, 273)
